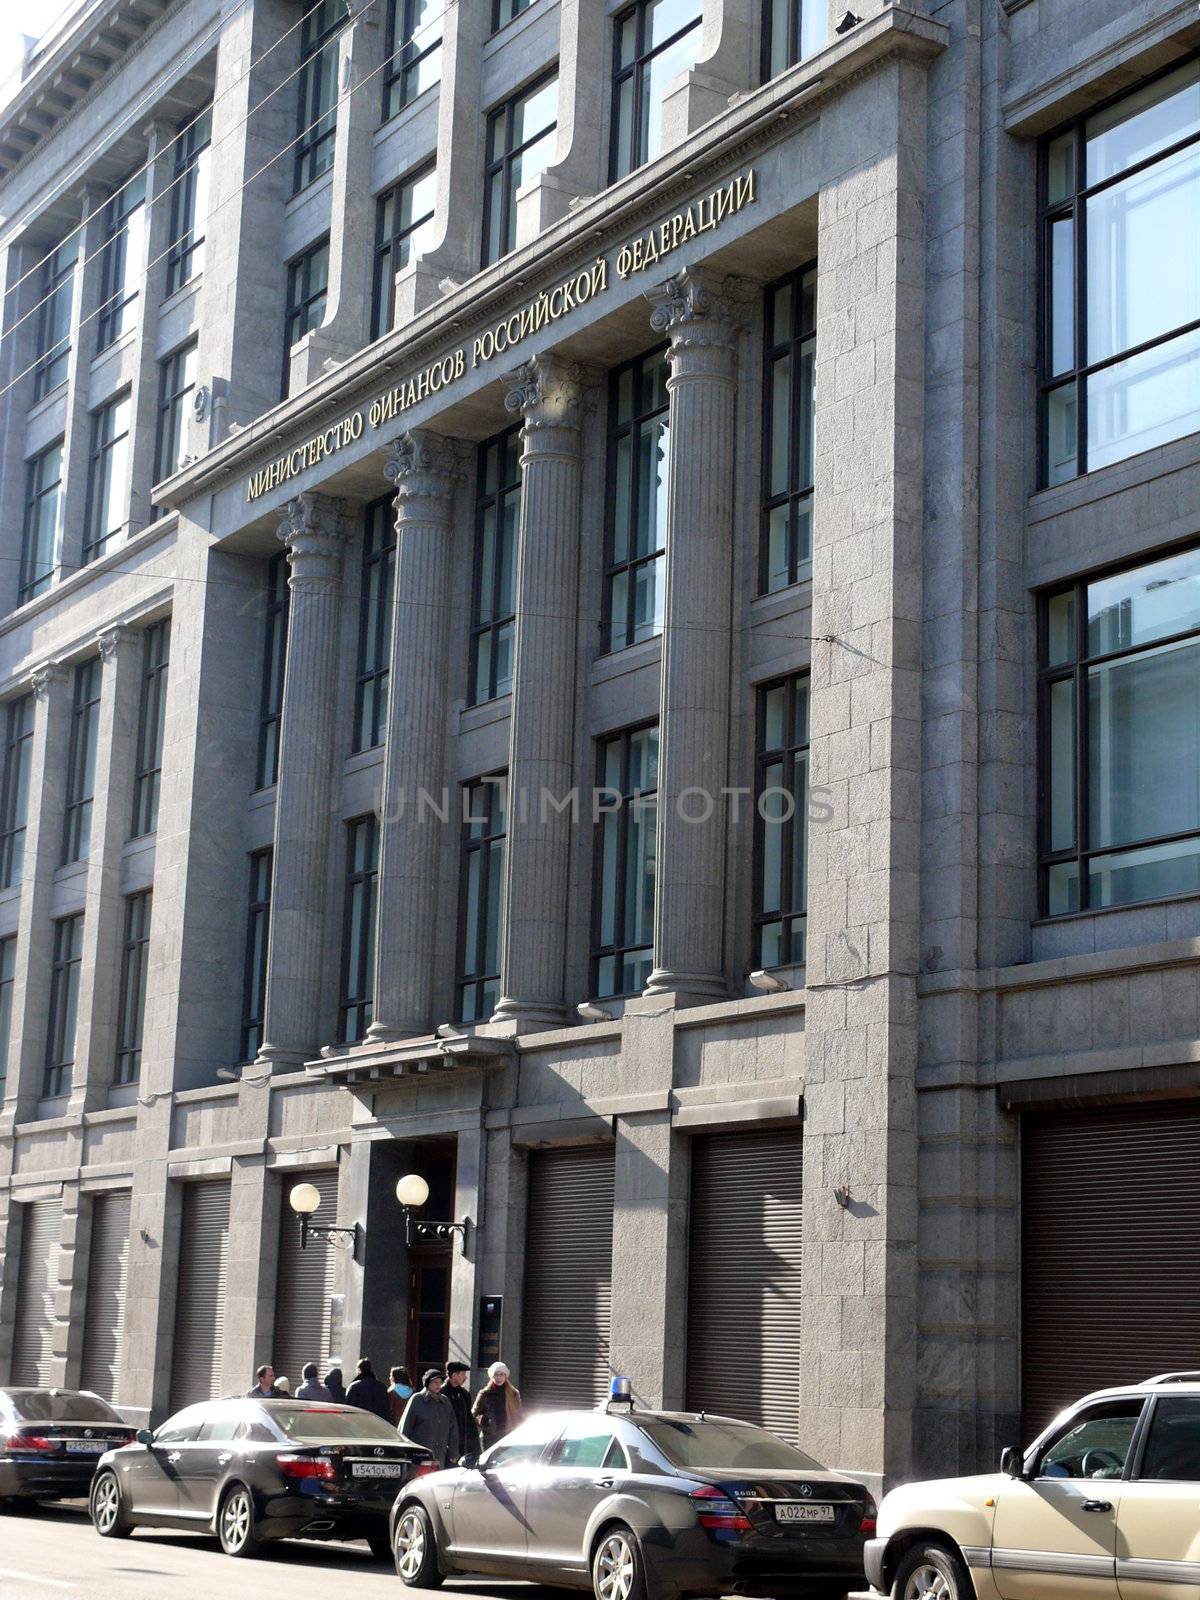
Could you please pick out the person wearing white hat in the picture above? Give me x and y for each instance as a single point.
(497, 1407)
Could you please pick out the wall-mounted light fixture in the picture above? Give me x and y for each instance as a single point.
(842, 1195)
(304, 1198)
(412, 1192)
(767, 983)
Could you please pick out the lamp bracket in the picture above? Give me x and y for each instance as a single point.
(418, 1231)
(325, 1235)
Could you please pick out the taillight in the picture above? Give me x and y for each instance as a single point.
(867, 1527)
(29, 1441)
(307, 1467)
(715, 1510)
(423, 1468)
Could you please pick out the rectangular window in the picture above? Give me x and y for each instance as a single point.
(64, 1004)
(623, 941)
(414, 52)
(789, 441)
(8, 972)
(520, 144)
(108, 477)
(81, 772)
(176, 380)
(636, 538)
(375, 625)
(56, 298)
(307, 291)
(135, 956)
(189, 200)
(121, 260)
(505, 11)
(781, 846)
(274, 659)
(653, 42)
(1119, 811)
(358, 929)
(317, 91)
(403, 228)
(150, 729)
(258, 936)
(481, 897)
(1120, 335)
(792, 31)
(493, 611)
(41, 535)
(14, 791)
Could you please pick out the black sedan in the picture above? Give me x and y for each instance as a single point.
(50, 1441)
(255, 1470)
(637, 1505)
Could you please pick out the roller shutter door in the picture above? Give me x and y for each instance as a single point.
(104, 1318)
(1110, 1258)
(33, 1335)
(568, 1277)
(304, 1284)
(743, 1353)
(197, 1362)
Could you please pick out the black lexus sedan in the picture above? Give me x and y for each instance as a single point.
(251, 1471)
(50, 1441)
(638, 1505)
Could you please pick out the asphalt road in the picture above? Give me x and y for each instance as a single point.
(53, 1551)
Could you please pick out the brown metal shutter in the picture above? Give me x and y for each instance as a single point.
(197, 1361)
(743, 1350)
(568, 1277)
(104, 1318)
(33, 1335)
(305, 1284)
(1110, 1262)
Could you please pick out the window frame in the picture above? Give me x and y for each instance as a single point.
(793, 52)
(8, 978)
(1091, 1411)
(314, 144)
(277, 617)
(786, 754)
(399, 64)
(31, 582)
(360, 908)
(642, 419)
(63, 1022)
(19, 717)
(115, 294)
(639, 156)
(172, 408)
(496, 621)
(86, 691)
(135, 965)
(374, 653)
(516, 8)
(256, 957)
(1076, 671)
(101, 467)
(503, 163)
(55, 275)
(189, 186)
(496, 784)
(299, 308)
(156, 662)
(1074, 209)
(802, 342)
(600, 951)
(388, 250)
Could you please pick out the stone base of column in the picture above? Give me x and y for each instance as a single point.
(277, 1057)
(687, 988)
(529, 1015)
(395, 1032)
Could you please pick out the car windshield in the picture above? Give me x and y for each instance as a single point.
(314, 1425)
(711, 1446)
(50, 1405)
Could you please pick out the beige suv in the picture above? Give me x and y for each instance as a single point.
(1105, 1505)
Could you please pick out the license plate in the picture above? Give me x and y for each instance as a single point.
(377, 1469)
(797, 1512)
(85, 1447)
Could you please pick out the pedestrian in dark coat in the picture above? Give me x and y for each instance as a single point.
(368, 1393)
(400, 1392)
(429, 1418)
(497, 1407)
(466, 1435)
(337, 1389)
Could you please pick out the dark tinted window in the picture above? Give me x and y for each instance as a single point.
(1173, 1447)
(42, 1405)
(726, 1444)
(184, 1425)
(1094, 1444)
(525, 1443)
(313, 1425)
(224, 1425)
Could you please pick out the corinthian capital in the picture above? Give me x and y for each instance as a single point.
(548, 392)
(424, 467)
(314, 530)
(696, 304)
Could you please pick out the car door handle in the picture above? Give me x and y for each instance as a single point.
(176, 1455)
(226, 1458)
(605, 1483)
(1097, 1505)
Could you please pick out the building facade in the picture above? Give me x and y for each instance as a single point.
(601, 604)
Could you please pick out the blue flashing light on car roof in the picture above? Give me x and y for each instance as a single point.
(620, 1393)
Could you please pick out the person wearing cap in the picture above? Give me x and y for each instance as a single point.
(497, 1407)
(465, 1439)
(429, 1418)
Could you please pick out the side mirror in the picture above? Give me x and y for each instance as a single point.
(468, 1461)
(1012, 1462)
(144, 1436)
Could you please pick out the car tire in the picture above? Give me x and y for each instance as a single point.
(932, 1572)
(380, 1546)
(237, 1525)
(618, 1566)
(105, 1508)
(414, 1549)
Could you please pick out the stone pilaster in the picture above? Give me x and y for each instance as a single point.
(314, 532)
(581, 165)
(424, 469)
(77, 437)
(549, 396)
(702, 320)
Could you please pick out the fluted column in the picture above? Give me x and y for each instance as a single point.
(694, 711)
(424, 469)
(541, 764)
(314, 532)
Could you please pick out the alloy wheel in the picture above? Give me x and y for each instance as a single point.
(235, 1520)
(927, 1583)
(106, 1503)
(615, 1568)
(410, 1546)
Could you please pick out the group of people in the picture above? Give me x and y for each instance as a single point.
(439, 1415)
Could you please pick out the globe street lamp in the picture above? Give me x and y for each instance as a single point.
(412, 1192)
(304, 1199)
